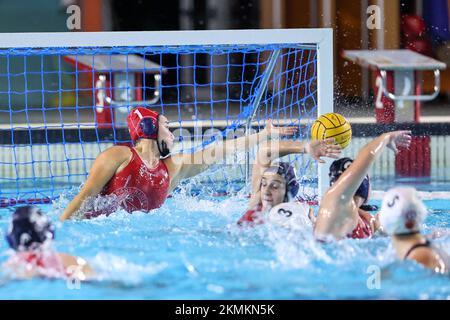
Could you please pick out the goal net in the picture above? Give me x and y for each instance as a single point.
(64, 98)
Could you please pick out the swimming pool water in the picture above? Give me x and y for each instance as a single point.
(191, 249)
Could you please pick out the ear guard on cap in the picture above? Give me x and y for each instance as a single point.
(148, 126)
(336, 170)
(143, 123)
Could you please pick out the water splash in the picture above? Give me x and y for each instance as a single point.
(109, 267)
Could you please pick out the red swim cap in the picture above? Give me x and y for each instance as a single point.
(143, 123)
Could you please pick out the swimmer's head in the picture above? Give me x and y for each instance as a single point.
(290, 215)
(29, 228)
(402, 212)
(278, 184)
(336, 170)
(144, 123)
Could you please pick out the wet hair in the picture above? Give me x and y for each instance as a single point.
(29, 228)
(287, 171)
(336, 170)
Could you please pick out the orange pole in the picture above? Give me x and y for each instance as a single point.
(91, 15)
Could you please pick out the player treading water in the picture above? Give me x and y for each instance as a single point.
(340, 214)
(275, 183)
(31, 235)
(141, 177)
(401, 216)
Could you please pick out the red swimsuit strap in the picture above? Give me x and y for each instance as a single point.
(135, 154)
(250, 215)
(31, 257)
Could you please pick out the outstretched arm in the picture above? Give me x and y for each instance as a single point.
(101, 172)
(350, 180)
(188, 165)
(337, 213)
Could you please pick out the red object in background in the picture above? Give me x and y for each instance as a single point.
(104, 113)
(414, 161)
(109, 84)
(384, 107)
(422, 46)
(417, 91)
(413, 26)
(414, 35)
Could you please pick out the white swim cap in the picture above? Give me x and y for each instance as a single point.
(292, 215)
(402, 212)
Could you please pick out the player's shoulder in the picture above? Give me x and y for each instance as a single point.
(117, 152)
(424, 255)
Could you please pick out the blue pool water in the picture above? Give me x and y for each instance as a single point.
(192, 249)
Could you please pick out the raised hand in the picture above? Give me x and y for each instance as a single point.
(323, 148)
(274, 132)
(397, 139)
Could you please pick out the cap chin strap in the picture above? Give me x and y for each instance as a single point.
(163, 150)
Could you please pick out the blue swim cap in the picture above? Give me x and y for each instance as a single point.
(29, 228)
(287, 171)
(364, 188)
(338, 167)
